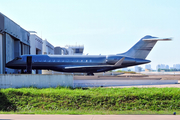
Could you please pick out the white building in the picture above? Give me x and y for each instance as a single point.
(36, 44)
(176, 66)
(48, 48)
(137, 69)
(167, 66)
(148, 66)
(69, 50)
(75, 49)
(163, 66)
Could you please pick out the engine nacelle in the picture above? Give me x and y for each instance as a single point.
(112, 59)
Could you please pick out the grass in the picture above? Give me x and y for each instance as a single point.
(90, 101)
(127, 72)
(93, 112)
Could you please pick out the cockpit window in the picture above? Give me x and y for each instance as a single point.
(18, 58)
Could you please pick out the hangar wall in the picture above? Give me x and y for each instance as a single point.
(10, 48)
(1, 60)
(14, 41)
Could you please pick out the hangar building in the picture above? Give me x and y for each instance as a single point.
(14, 41)
(48, 48)
(36, 43)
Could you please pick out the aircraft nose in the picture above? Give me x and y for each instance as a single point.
(9, 64)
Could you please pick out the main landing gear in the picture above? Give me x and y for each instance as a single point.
(90, 74)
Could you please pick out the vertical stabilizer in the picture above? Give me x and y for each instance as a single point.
(142, 48)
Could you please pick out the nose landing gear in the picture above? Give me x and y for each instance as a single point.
(90, 74)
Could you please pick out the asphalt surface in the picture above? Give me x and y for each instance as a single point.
(89, 117)
(128, 80)
(150, 86)
(123, 83)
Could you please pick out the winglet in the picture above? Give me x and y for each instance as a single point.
(118, 63)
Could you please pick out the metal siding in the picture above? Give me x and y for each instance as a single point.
(9, 51)
(1, 22)
(9, 48)
(16, 48)
(1, 54)
(16, 31)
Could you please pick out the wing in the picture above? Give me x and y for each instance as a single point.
(118, 63)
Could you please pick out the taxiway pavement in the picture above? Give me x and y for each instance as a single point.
(89, 117)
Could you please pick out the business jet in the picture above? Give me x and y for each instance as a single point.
(90, 64)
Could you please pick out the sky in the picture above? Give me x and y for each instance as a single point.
(102, 26)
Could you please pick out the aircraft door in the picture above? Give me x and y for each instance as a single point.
(29, 64)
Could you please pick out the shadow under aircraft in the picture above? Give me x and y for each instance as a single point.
(90, 64)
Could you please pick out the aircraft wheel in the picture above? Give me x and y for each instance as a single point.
(90, 74)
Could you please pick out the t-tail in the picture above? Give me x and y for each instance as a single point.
(142, 48)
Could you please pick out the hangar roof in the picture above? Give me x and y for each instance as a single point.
(9, 26)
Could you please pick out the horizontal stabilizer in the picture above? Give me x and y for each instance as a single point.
(157, 39)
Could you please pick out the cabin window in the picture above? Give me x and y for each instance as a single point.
(35, 60)
(81, 60)
(44, 60)
(86, 60)
(90, 60)
(53, 60)
(49, 60)
(40, 60)
(58, 60)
